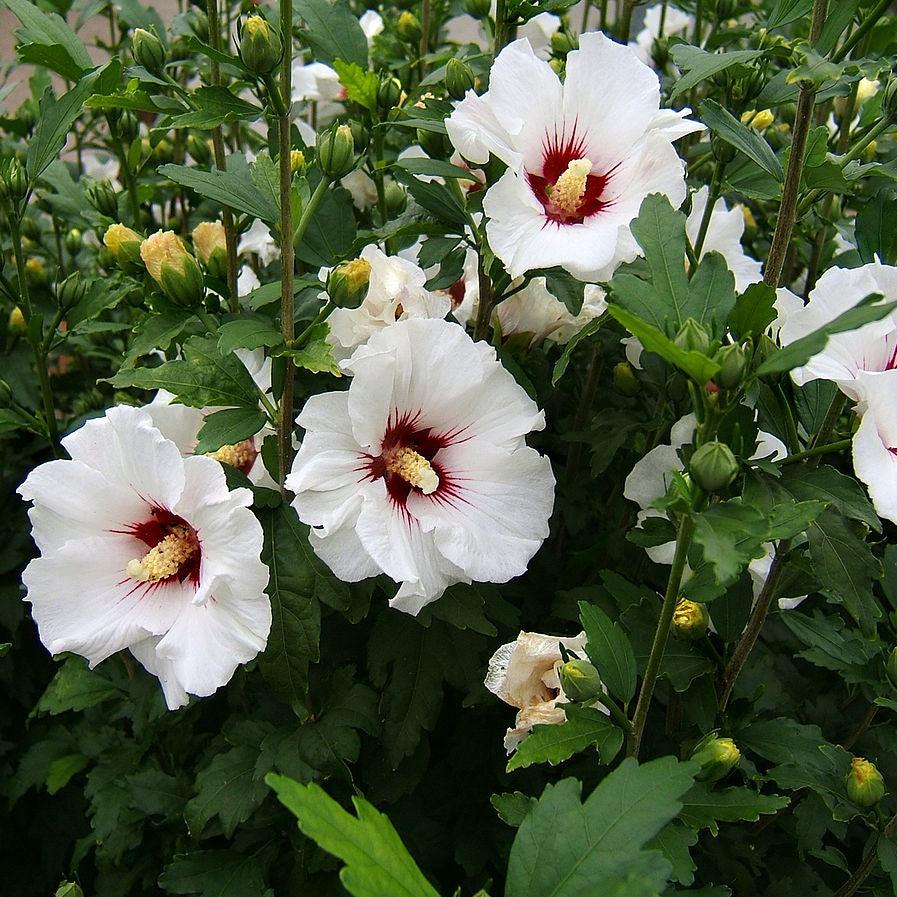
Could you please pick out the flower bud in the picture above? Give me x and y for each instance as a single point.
(459, 78)
(73, 241)
(722, 151)
(198, 22)
(16, 322)
(361, 137)
(163, 151)
(660, 51)
(726, 9)
(148, 51)
(716, 756)
(889, 100)
(297, 161)
(713, 466)
(732, 362)
(389, 93)
(692, 337)
(690, 619)
(102, 197)
(750, 222)
(580, 681)
(336, 151)
(408, 28)
(347, 284)
(625, 381)
(35, 271)
(891, 667)
(30, 229)
(211, 247)
(173, 268)
(124, 244)
(260, 45)
(396, 199)
(128, 125)
(759, 121)
(562, 43)
(434, 144)
(476, 8)
(865, 785)
(13, 186)
(199, 149)
(71, 291)
(5, 394)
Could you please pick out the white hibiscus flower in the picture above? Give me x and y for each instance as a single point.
(181, 423)
(872, 347)
(371, 24)
(315, 81)
(661, 20)
(420, 470)
(525, 674)
(875, 441)
(396, 291)
(258, 239)
(581, 155)
(247, 281)
(146, 550)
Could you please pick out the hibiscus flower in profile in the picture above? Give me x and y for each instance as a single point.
(146, 550)
(420, 470)
(581, 155)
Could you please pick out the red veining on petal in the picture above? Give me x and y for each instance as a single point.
(152, 531)
(558, 151)
(407, 431)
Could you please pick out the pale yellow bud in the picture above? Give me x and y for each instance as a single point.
(758, 120)
(297, 161)
(208, 237)
(16, 320)
(163, 247)
(117, 235)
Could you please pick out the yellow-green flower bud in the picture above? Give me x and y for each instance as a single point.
(336, 151)
(261, 48)
(124, 244)
(625, 381)
(173, 268)
(889, 100)
(690, 619)
(36, 271)
(70, 291)
(347, 284)
(459, 78)
(389, 93)
(562, 43)
(16, 322)
(297, 161)
(692, 337)
(396, 199)
(713, 466)
(199, 148)
(580, 681)
(73, 241)
(148, 51)
(759, 121)
(163, 151)
(211, 247)
(408, 28)
(102, 196)
(13, 185)
(865, 784)
(732, 362)
(716, 756)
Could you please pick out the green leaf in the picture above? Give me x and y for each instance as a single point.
(830, 644)
(564, 848)
(75, 687)
(293, 587)
(333, 31)
(226, 788)
(876, 228)
(213, 873)
(791, 519)
(157, 793)
(317, 353)
(58, 115)
(712, 291)
(228, 427)
(361, 84)
(248, 332)
(802, 350)
(216, 106)
(234, 188)
(730, 612)
(376, 861)
(331, 233)
(51, 30)
(435, 167)
(560, 366)
(674, 842)
(585, 727)
(610, 651)
(700, 65)
(156, 331)
(743, 138)
(731, 535)
(512, 806)
(754, 311)
(705, 807)
(699, 367)
(62, 769)
(205, 377)
(787, 11)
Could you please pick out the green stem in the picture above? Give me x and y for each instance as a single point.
(624, 23)
(37, 345)
(424, 36)
(484, 302)
(322, 315)
(866, 26)
(616, 713)
(130, 182)
(501, 26)
(230, 234)
(828, 449)
(802, 120)
(699, 16)
(712, 196)
(285, 417)
(207, 320)
(661, 635)
(868, 864)
(377, 165)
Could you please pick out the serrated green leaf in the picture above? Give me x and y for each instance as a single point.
(75, 687)
(610, 651)
(376, 861)
(730, 534)
(699, 65)
(213, 873)
(743, 138)
(51, 30)
(248, 332)
(754, 311)
(228, 427)
(62, 769)
(705, 807)
(333, 31)
(512, 806)
(585, 727)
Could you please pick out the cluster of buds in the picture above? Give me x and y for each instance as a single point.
(173, 268)
(261, 47)
(211, 247)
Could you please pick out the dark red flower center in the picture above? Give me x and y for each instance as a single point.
(173, 549)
